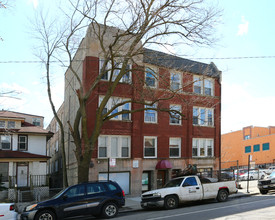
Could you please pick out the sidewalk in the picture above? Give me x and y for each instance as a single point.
(133, 203)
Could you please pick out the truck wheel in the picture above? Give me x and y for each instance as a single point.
(45, 214)
(222, 195)
(263, 191)
(109, 210)
(171, 202)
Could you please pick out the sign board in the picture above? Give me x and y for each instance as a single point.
(135, 163)
(112, 162)
(250, 157)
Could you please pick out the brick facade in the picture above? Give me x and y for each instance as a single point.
(137, 166)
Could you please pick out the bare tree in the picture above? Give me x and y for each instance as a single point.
(134, 25)
(51, 38)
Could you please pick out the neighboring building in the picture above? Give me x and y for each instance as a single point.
(258, 142)
(150, 147)
(54, 164)
(23, 156)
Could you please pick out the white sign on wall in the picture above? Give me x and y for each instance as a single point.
(112, 162)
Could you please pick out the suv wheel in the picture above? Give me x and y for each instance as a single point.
(109, 210)
(45, 215)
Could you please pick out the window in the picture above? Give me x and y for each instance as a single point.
(204, 86)
(102, 146)
(203, 147)
(150, 115)
(56, 146)
(265, 146)
(114, 146)
(114, 101)
(203, 116)
(175, 118)
(126, 78)
(247, 149)
(2, 124)
(150, 78)
(4, 171)
(76, 191)
(256, 148)
(175, 81)
(174, 147)
(190, 181)
(56, 166)
(36, 121)
(150, 147)
(22, 142)
(11, 124)
(96, 188)
(246, 137)
(5, 142)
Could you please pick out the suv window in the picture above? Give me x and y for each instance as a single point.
(95, 188)
(111, 186)
(76, 191)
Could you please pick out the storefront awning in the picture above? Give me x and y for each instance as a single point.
(163, 164)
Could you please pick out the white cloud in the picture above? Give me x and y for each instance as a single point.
(240, 108)
(243, 27)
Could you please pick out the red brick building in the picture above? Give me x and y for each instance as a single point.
(150, 146)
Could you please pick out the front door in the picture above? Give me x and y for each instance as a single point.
(161, 178)
(22, 176)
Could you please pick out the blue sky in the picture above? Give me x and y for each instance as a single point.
(246, 30)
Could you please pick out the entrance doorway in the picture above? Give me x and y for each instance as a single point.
(161, 178)
(22, 176)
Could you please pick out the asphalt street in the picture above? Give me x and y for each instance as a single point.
(254, 207)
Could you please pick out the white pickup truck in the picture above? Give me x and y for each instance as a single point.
(187, 188)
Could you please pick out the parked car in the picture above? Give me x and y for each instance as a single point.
(270, 169)
(7, 211)
(100, 198)
(227, 175)
(267, 183)
(253, 175)
(184, 189)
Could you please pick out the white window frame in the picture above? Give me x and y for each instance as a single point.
(172, 82)
(112, 152)
(24, 142)
(155, 76)
(155, 147)
(114, 100)
(203, 116)
(173, 142)
(123, 79)
(203, 82)
(175, 107)
(147, 119)
(203, 145)
(1, 141)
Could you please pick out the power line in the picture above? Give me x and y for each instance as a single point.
(193, 58)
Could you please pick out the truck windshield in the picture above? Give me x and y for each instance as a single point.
(174, 183)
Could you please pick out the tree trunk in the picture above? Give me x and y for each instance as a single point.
(83, 170)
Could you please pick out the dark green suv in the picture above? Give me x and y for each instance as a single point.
(100, 198)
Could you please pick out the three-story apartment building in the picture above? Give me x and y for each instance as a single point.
(148, 147)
